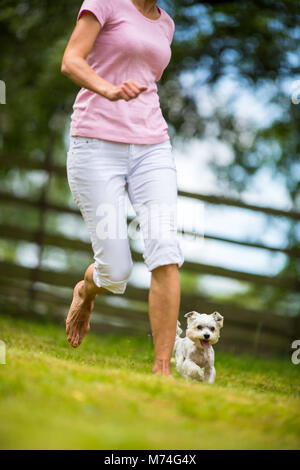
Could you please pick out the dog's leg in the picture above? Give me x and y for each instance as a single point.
(192, 371)
(179, 354)
(210, 374)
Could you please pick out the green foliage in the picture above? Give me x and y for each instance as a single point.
(254, 43)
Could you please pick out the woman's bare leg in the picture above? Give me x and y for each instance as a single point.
(78, 319)
(164, 301)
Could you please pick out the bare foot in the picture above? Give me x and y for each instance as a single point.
(78, 319)
(162, 367)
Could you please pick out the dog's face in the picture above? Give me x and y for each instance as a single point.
(204, 329)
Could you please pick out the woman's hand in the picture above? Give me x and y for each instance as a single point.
(128, 90)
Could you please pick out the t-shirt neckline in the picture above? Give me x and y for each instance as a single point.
(148, 19)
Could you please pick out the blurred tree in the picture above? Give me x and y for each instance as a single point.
(255, 44)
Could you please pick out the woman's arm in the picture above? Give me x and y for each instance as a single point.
(75, 66)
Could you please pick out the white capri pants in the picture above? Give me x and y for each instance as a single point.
(98, 171)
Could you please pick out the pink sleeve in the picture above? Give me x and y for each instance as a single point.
(100, 8)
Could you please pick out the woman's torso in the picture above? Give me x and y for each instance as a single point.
(129, 46)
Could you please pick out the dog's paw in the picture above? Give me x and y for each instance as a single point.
(201, 375)
(196, 373)
(210, 375)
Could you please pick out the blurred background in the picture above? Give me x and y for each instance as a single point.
(231, 98)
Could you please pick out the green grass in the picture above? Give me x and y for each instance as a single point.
(104, 396)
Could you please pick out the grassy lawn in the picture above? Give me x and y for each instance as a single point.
(104, 396)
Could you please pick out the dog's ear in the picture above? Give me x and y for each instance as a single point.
(218, 318)
(189, 314)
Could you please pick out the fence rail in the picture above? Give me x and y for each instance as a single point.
(30, 291)
(246, 329)
(60, 170)
(21, 234)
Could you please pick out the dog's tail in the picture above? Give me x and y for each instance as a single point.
(178, 333)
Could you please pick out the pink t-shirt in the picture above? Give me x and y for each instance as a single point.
(129, 46)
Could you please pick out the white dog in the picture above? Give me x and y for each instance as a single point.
(194, 354)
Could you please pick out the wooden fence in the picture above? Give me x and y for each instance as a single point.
(36, 291)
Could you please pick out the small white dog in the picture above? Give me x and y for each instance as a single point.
(194, 354)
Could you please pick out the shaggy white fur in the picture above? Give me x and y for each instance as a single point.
(194, 354)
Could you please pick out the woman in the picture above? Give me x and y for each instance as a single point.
(117, 52)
